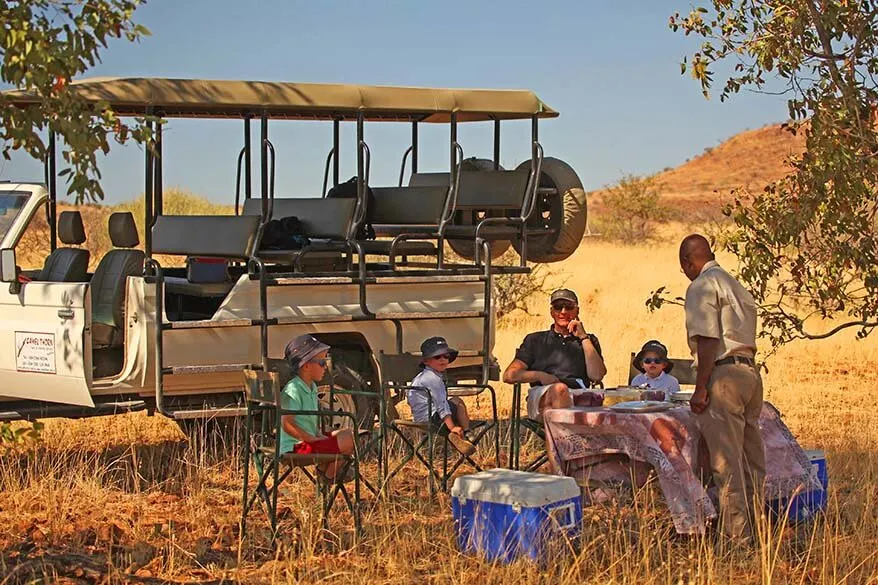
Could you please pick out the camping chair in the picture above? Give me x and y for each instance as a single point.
(531, 425)
(263, 395)
(684, 370)
(534, 426)
(396, 373)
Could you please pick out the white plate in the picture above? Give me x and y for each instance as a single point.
(641, 406)
(682, 396)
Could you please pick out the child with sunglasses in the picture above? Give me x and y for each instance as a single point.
(449, 417)
(300, 433)
(652, 361)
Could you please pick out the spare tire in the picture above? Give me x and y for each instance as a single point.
(564, 213)
(465, 248)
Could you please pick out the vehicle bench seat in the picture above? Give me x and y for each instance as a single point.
(217, 236)
(406, 210)
(326, 221)
(182, 286)
(479, 190)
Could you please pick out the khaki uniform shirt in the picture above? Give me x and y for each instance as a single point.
(718, 307)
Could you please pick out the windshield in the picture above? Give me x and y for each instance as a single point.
(11, 203)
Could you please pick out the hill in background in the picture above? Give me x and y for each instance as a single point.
(751, 160)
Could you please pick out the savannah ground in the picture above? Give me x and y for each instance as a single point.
(127, 499)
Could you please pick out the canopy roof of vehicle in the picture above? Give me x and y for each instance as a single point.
(204, 98)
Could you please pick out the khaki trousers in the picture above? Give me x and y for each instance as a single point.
(730, 427)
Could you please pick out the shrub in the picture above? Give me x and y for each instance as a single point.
(514, 291)
(633, 208)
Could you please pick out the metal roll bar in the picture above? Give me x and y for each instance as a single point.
(527, 206)
(329, 158)
(238, 179)
(405, 157)
(360, 210)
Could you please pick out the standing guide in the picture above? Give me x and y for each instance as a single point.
(721, 330)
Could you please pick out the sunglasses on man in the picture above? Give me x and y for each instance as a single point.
(321, 362)
(563, 307)
(653, 360)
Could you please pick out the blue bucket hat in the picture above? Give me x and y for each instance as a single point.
(302, 349)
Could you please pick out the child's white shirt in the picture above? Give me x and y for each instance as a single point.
(663, 381)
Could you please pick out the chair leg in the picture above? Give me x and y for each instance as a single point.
(410, 454)
(431, 446)
(245, 455)
(445, 465)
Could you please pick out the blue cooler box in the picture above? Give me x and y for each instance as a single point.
(504, 514)
(804, 505)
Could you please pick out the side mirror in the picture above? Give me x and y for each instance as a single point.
(9, 270)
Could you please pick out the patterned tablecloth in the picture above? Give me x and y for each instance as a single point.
(596, 446)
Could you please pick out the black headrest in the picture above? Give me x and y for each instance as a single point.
(70, 228)
(123, 231)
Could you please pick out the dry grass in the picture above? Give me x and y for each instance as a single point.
(139, 503)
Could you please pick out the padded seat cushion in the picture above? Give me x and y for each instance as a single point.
(66, 265)
(70, 228)
(108, 285)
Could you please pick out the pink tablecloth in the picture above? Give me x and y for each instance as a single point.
(583, 438)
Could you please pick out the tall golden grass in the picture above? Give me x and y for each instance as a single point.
(110, 499)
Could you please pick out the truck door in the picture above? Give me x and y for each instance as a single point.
(45, 336)
(45, 343)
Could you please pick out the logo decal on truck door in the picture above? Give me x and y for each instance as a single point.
(35, 352)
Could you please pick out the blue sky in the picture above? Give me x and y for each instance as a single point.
(611, 68)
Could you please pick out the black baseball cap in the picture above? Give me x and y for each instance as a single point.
(564, 294)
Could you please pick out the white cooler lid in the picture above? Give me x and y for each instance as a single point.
(506, 486)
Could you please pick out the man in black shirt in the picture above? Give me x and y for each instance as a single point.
(554, 361)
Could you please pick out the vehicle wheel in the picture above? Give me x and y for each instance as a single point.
(364, 407)
(564, 212)
(465, 248)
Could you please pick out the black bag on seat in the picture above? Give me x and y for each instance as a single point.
(286, 233)
(348, 190)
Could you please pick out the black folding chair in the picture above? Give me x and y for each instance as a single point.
(533, 426)
(397, 370)
(262, 446)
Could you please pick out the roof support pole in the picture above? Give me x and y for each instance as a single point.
(414, 147)
(263, 141)
(336, 142)
(361, 163)
(148, 193)
(496, 145)
(52, 210)
(248, 161)
(157, 186)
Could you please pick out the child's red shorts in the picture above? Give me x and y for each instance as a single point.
(327, 445)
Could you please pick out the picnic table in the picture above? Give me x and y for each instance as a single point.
(602, 448)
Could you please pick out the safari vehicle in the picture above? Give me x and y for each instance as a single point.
(142, 332)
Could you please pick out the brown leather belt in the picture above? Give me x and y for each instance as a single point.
(735, 359)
